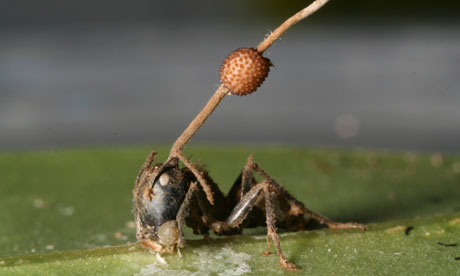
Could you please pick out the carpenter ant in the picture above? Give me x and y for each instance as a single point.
(167, 197)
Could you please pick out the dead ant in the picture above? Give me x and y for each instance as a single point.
(168, 197)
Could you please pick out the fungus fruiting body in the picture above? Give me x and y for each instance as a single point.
(244, 70)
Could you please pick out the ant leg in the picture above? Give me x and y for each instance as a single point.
(184, 212)
(148, 162)
(298, 207)
(332, 224)
(271, 229)
(204, 184)
(247, 179)
(231, 225)
(241, 211)
(244, 182)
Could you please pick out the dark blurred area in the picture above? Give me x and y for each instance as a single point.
(55, 13)
(380, 74)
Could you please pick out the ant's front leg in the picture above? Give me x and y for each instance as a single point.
(184, 211)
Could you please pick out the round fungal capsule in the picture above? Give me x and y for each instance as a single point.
(164, 179)
(168, 234)
(244, 70)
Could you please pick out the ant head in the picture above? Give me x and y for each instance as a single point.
(159, 195)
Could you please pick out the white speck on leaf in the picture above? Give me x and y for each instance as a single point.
(205, 261)
(160, 259)
(131, 224)
(39, 203)
(66, 210)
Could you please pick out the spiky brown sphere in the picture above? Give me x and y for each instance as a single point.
(244, 70)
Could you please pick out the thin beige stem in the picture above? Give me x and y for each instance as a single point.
(269, 40)
(198, 121)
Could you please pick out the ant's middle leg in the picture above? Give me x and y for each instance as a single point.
(263, 192)
(198, 213)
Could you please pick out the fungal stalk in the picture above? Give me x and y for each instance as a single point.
(226, 89)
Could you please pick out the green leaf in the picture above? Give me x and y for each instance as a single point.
(68, 212)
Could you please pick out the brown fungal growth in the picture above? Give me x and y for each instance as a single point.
(244, 70)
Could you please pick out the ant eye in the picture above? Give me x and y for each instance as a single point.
(164, 179)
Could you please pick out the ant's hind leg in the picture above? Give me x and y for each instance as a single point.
(298, 207)
(330, 223)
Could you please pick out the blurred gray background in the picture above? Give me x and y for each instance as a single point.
(359, 73)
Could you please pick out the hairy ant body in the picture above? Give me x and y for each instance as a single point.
(167, 198)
